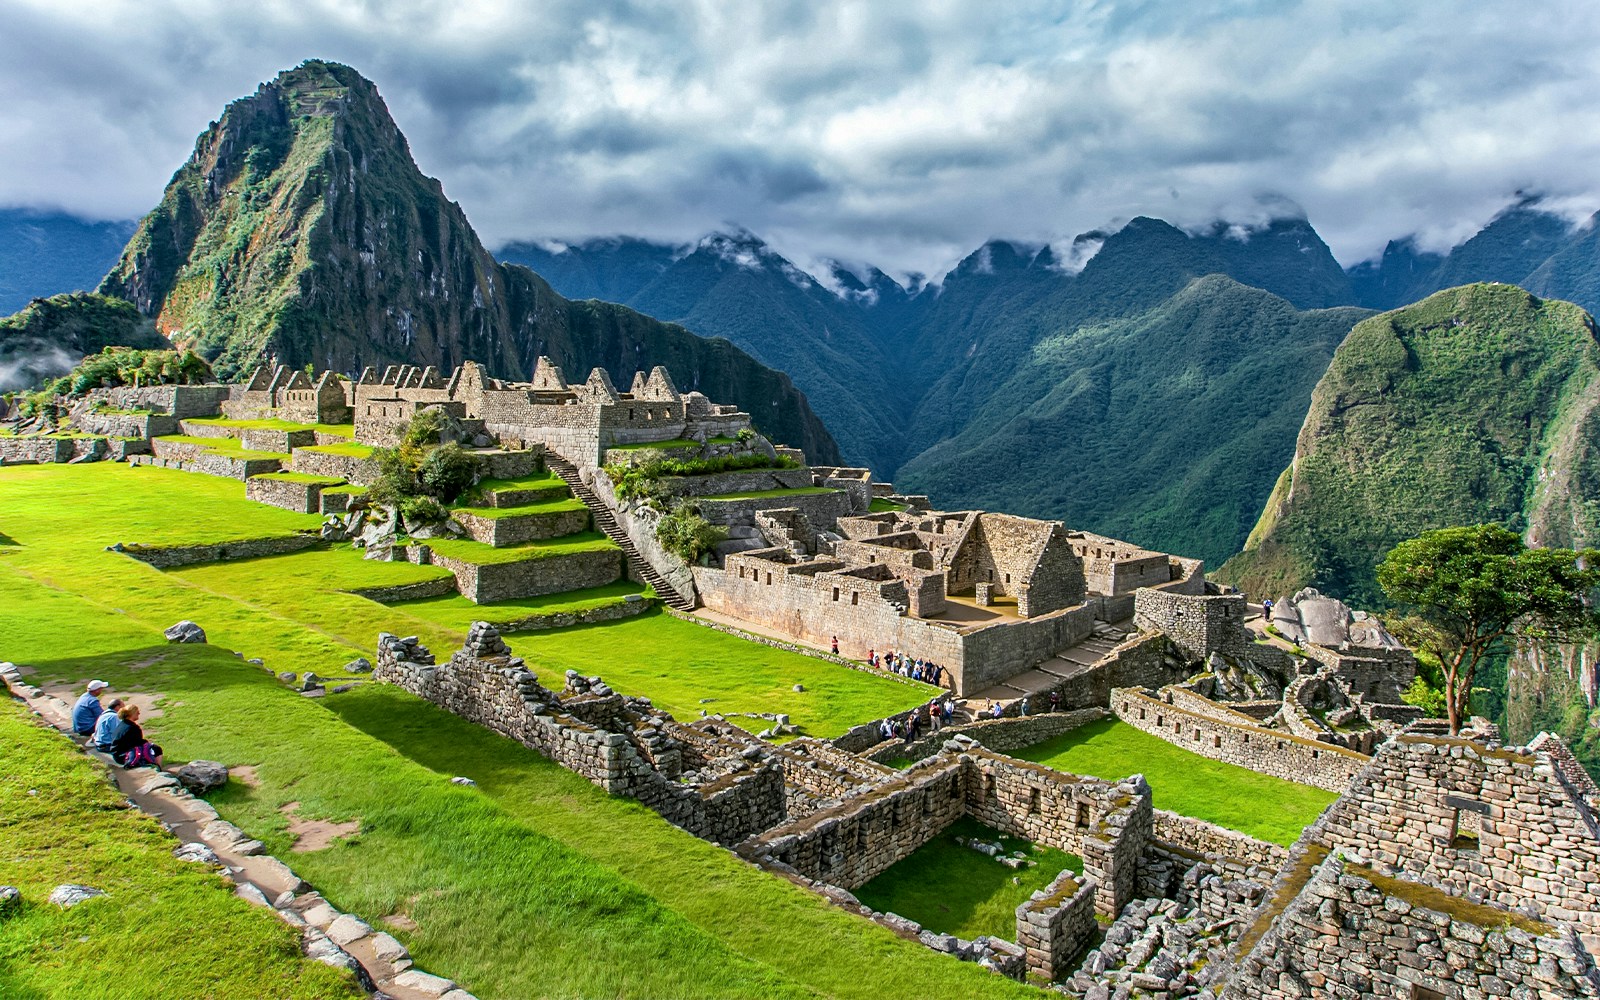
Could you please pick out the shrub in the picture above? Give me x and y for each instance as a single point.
(422, 510)
(446, 471)
(687, 535)
(424, 428)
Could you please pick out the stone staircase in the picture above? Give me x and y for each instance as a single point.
(606, 521)
(1065, 665)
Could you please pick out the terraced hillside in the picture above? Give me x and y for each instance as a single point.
(534, 883)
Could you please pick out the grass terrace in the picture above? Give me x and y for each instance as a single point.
(523, 510)
(685, 668)
(231, 447)
(950, 888)
(282, 581)
(533, 883)
(348, 448)
(61, 822)
(881, 506)
(1258, 805)
(457, 613)
(654, 445)
(299, 477)
(798, 491)
(341, 430)
(536, 481)
(486, 555)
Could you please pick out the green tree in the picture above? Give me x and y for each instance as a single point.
(1470, 592)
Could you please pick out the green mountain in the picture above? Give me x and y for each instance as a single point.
(1525, 245)
(49, 336)
(302, 230)
(1479, 403)
(48, 253)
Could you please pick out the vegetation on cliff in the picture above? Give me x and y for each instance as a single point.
(48, 336)
(302, 230)
(1475, 405)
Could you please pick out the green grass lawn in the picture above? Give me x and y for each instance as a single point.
(349, 448)
(535, 481)
(341, 430)
(487, 555)
(799, 491)
(952, 889)
(456, 612)
(648, 445)
(1238, 798)
(539, 507)
(231, 447)
(535, 883)
(60, 822)
(678, 663)
(282, 581)
(881, 506)
(298, 477)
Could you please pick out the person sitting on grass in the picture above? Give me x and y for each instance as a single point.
(105, 727)
(128, 745)
(88, 709)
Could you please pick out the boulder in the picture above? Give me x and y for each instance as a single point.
(185, 631)
(467, 782)
(10, 899)
(68, 896)
(197, 853)
(201, 776)
(359, 665)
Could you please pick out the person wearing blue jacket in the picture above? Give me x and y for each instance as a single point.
(88, 709)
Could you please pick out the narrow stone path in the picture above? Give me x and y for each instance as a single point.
(606, 521)
(338, 939)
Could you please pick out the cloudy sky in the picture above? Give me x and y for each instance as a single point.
(898, 133)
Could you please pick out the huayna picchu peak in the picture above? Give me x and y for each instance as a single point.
(301, 230)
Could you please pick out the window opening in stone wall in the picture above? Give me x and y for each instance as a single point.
(769, 579)
(955, 788)
(1315, 754)
(1033, 802)
(1216, 742)
(1423, 993)
(1465, 831)
(630, 413)
(855, 598)
(1160, 721)
(988, 786)
(1141, 713)
(1083, 815)
(861, 835)
(836, 593)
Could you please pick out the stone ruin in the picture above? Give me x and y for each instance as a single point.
(710, 779)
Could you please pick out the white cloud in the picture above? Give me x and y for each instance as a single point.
(900, 135)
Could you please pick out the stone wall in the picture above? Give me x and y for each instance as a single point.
(303, 498)
(1268, 751)
(35, 450)
(350, 468)
(1351, 932)
(717, 786)
(1497, 823)
(1216, 844)
(640, 521)
(738, 481)
(1056, 924)
(485, 583)
(514, 529)
(169, 556)
(179, 401)
(1199, 625)
(1002, 735)
(821, 509)
(132, 425)
(1146, 661)
(407, 591)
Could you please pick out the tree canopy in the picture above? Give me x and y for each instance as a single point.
(1470, 592)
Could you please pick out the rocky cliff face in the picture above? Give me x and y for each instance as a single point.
(1480, 403)
(301, 229)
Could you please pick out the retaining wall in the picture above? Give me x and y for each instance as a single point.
(1056, 924)
(515, 529)
(1216, 843)
(1268, 751)
(169, 556)
(486, 583)
(302, 498)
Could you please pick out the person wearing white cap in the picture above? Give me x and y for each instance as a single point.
(88, 709)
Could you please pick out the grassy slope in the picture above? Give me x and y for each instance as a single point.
(1164, 426)
(1263, 807)
(60, 822)
(1449, 411)
(536, 883)
(952, 889)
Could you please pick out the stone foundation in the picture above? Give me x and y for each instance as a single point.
(489, 582)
